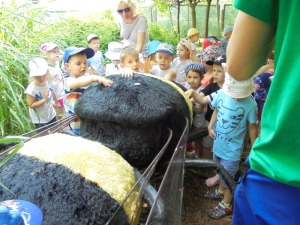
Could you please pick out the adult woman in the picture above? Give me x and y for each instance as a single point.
(134, 27)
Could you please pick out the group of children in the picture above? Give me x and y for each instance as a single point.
(222, 104)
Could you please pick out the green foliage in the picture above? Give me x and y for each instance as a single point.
(158, 32)
(76, 31)
(22, 30)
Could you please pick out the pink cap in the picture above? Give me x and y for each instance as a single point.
(48, 46)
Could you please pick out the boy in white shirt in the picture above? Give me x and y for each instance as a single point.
(97, 61)
(164, 57)
(113, 54)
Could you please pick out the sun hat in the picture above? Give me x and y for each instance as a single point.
(166, 47)
(114, 50)
(227, 29)
(210, 40)
(210, 54)
(91, 36)
(196, 65)
(152, 46)
(74, 50)
(186, 43)
(48, 46)
(192, 31)
(37, 67)
(237, 89)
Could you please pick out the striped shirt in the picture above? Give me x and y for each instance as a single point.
(72, 97)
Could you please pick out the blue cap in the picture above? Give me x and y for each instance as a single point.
(166, 47)
(74, 50)
(196, 65)
(152, 46)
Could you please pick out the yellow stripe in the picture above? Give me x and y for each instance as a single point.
(91, 160)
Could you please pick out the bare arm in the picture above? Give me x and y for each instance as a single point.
(33, 103)
(259, 39)
(140, 41)
(171, 75)
(212, 122)
(192, 55)
(252, 132)
(86, 80)
(200, 98)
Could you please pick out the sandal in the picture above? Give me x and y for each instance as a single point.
(219, 211)
(214, 194)
(213, 181)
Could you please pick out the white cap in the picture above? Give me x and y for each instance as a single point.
(114, 50)
(48, 46)
(237, 89)
(38, 67)
(91, 36)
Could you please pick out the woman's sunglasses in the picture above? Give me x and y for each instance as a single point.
(120, 11)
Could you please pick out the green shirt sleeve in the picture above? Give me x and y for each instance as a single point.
(264, 10)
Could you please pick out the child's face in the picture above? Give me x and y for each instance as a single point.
(94, 44)
(77, 65)
(132, 62)
(193, 79)
(40, 80)
(53, 55)
(228, 35)
(194, 38)
(164, 60)
(219, 73)
(182, 52)
(115, 62)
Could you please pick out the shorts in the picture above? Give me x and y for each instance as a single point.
(207, 141)
(230, 166)
(261, 200)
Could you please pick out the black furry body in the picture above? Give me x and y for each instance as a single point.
(132, 116)
(64, 197)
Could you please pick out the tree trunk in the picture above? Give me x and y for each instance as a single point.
(178, 17)
(193, 9)
(207, 17)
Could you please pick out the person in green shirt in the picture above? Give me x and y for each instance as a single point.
(270, 191)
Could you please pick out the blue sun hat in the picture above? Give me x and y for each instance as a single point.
(196, 65)
(74, 50)
(20, 212)
(166, 47)
(152, 46)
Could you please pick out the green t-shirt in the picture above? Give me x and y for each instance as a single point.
(276, 153)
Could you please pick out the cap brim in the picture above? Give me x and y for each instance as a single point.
(165, 51)
(89, 52)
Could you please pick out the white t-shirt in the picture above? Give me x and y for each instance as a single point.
(180, 78)
(45, 113)
(97, 62)
(58, 81)
(130, 33)
(155, 70)
(112, 69)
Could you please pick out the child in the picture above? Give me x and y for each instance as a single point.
(235, 112)
(150, 60)
(75, 82)
(193, 36)
(129, 61)
(113, 54)
(194, 74)
(205, 97)
(52, 52)
(224, 41)
(182, 61)
(97, 61)
(210, 54)
(164, 57)
(40, 95)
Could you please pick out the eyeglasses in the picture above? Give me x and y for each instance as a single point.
(120, 11)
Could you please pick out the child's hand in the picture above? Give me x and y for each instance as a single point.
(46, 95)
(57, 105)
(190, 93)
(106, 82)
(211, 133)
(127, 72)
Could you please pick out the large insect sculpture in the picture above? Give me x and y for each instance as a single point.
(84, 180)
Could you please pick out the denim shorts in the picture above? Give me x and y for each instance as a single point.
(230, 166)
